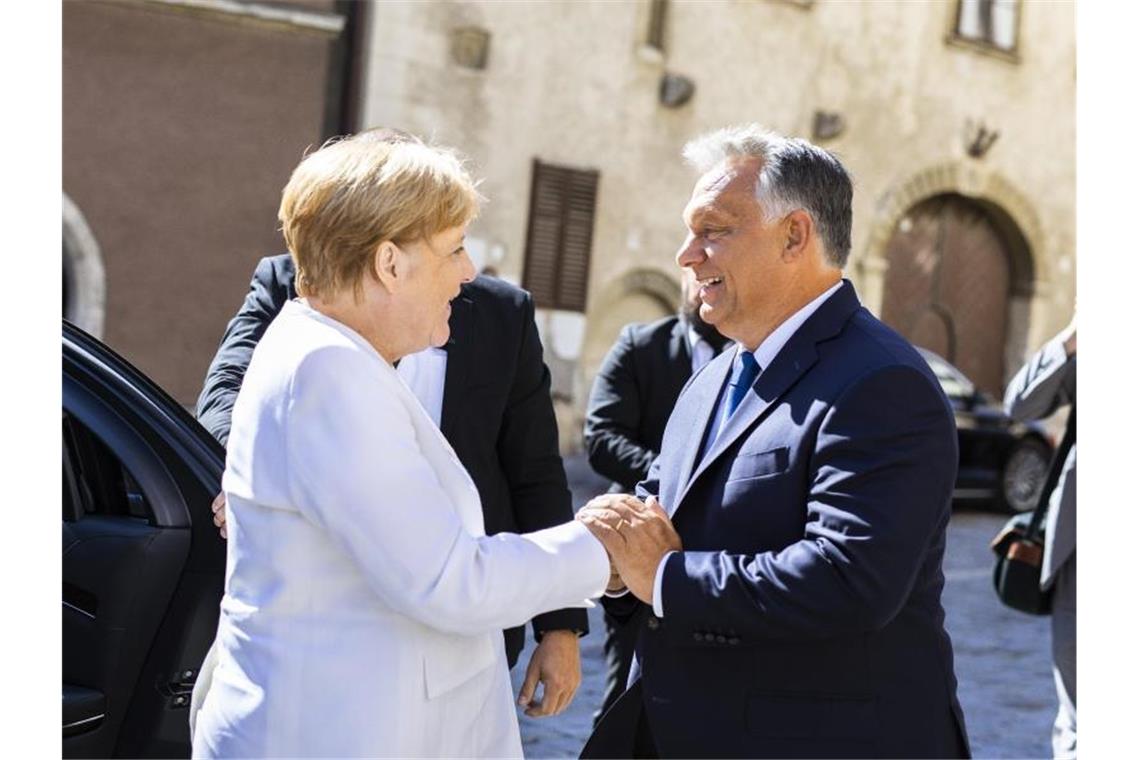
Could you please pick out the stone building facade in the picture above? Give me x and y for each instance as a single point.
(956, 119)
(182, 120)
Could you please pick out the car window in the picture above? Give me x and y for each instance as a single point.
(95, 481)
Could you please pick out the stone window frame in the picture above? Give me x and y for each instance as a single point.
(955, 38)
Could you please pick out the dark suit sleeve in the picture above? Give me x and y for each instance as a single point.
(613, 415)
(267, 295)
(528, 452)
(882, 474)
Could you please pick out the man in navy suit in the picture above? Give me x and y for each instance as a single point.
(787, 544)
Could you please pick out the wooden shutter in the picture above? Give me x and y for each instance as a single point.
(559, 236)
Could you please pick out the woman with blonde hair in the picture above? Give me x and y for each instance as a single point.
(364, 602)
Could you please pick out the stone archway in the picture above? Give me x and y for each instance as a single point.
(948, 284)
(997, 215)
(84, 279)
(638, 295)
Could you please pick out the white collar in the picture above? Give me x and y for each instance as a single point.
(694, 336)
(766, 353)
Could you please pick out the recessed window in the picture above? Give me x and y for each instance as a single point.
(989, 23)
(560, 233)
(655, 34)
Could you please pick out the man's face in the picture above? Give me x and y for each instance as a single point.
(733, 254)
(691, 308)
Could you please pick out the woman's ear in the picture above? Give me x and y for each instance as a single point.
(386, 265)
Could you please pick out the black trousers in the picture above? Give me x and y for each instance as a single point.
(618, 648)
(624, 732)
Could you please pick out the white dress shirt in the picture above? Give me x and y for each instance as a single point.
(424, 373)
(700, 350)
(765, 354)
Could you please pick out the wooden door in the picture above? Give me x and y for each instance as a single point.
(947, 286)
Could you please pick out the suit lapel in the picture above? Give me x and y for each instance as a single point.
(788, 366)
(459, 361)
(706, 391)
(797, 356)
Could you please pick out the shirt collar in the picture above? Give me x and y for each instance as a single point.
(694, 337)
(771, 346)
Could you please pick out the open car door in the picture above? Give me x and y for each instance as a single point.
(143, 564)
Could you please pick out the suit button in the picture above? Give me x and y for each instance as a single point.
(733, 640)
(710, 637)
(721, 640)
(698, 636)
(652, 623)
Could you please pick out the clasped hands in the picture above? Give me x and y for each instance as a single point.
(636, 536)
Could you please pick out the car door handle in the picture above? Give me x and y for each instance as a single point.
(83, 709)
(180, 688)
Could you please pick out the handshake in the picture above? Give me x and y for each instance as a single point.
(636, 535)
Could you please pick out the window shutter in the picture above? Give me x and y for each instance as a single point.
(559, 236)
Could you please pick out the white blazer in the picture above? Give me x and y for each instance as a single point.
(363, 601)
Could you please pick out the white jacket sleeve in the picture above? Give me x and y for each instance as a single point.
(355, 469)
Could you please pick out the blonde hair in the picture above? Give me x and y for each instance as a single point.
(353, 194)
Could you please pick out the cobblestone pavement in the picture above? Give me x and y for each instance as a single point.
(1002, 660)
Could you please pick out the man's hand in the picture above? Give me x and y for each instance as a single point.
(637, 536)
(615, 583)
(557, 665)
(219, 510)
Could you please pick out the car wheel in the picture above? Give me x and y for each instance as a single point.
(1024, 475)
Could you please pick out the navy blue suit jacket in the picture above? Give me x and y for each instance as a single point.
(803, 617)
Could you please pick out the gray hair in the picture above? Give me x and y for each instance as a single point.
(794, 174)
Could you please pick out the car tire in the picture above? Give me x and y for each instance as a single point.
(1024, 475)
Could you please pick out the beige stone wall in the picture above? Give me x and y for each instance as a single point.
(570, 82)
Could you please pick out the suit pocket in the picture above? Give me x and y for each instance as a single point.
(749, 465)
(450, 661)
(812, 716)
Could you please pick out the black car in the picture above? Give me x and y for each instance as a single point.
(143, 565)
(1000, 461)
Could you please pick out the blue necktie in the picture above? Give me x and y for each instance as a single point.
(742, 379)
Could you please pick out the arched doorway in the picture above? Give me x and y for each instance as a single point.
(638, 295)
(955, 269)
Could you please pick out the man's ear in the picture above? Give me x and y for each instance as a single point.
(798, 228)
(386, 265)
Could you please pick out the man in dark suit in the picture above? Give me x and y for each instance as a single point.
(632, 397)
(792, 571)
(489, 391)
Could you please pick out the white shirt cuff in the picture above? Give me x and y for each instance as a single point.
(658, 610)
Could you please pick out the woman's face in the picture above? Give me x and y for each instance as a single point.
(440, 265)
